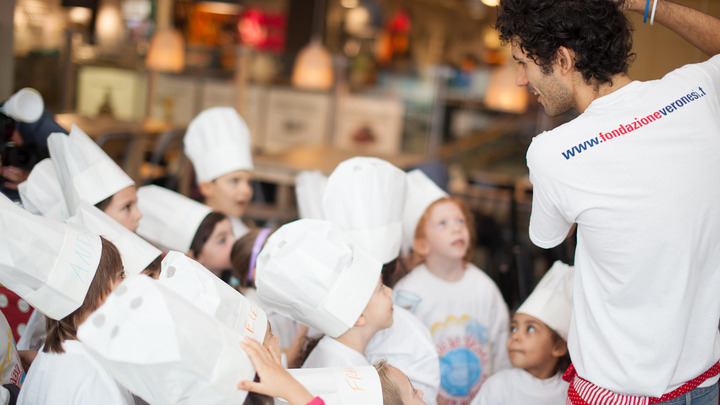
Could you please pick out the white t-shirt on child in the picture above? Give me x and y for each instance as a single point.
(469, 323)
(331, 353)
(518, 387)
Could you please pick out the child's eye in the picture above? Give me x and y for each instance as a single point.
(531, 329)
(513, 329)
(222, 241)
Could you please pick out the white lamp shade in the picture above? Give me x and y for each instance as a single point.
(313, 67)
(503, 94)
(167, 51)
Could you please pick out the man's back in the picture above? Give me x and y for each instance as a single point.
(639, 171)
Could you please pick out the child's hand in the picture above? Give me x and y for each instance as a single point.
(275, 381)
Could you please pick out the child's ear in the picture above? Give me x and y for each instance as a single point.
(207, 188)
(361, 321)
(420, 246)
(559, 348)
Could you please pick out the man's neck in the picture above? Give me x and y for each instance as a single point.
(587, 93)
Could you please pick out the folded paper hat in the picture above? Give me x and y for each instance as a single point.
(213, 296)
(165, 350)
(170, 220)
(217, 142)
(136, 253)
(364, 197)
(312, 272)
(551, 300)
(309, 190)
(46, 262)
(81, 164)
(421, 194)
(41, 193)
(341, 385)
(408, 345)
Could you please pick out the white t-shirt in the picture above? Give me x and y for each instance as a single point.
(407, 345)
(647, 203)
(469, 323)
(69, 378)
(331, 353)
(518, 387)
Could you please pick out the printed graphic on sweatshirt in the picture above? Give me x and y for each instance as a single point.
(462, 344)
(626, 128)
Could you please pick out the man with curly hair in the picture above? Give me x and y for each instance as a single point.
(638, 173)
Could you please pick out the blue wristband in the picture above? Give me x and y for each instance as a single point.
(647, 7)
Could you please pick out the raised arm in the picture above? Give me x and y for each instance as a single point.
(696, 27)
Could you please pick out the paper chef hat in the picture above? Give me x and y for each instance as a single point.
(48, 263)
(85, 168)
(41, 193)
(309, 190)
(421, 194)
(310, 271)
(213, 296)
(217, 142)
(169, 219)
(364, 197)
(136, 253)
(164, 349)
(341, 385)
(551, 300)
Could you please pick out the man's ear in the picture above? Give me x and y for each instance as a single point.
(361, 321)
(565, 59)
(421, 247)
(207, 188)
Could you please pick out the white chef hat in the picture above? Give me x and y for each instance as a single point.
(85, 168)
(551, 300)
(309, 190)
(164, 349)
(312, 272)
(341, 385)
(136, 253)
(169, 219)
(48, 263)
(41, 193)
(217, 142)
(213, 296)
(422, 192)
(364, 197)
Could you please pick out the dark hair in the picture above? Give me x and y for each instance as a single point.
(204, 231)
(596, 30)
(153, 269)
(390, 390)
(102, 205)
(61, 330)
(253, 398)
(563, 362)
(420, 228)
(241, 254)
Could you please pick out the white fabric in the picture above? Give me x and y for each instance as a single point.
(136, 253)
(11, 370)
(309, 190)
(647, 207)
(312, 272)
(407, 345)
(170, 220)
(239, 229)
(71, 378)
(85, 171)
(469, 323)
(217, 142)
(33, 337)
(364, 196)
(4, 396)
(47, 263)
(41, 193)
(331, 353)
(341, 385)
(551, 300)
(421, 193)
(518, 387)
(210, 294)
(163, 348)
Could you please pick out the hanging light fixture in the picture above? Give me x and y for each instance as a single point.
(313, 67)
(503, 94)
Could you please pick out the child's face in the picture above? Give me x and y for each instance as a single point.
(379, 310)
(230, 193)
(215, 253)
(531, 346)
(408, 394)
(124, 209)
(446, 232)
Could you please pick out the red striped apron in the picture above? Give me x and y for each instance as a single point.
(583, 392)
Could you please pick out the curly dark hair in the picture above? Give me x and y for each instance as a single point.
(596, 30)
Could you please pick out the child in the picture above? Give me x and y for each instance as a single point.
(217, 143)
(537, 346)
(94, 177)
(461, 305)
(397, 389)
(175, 222)
(311, 272)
